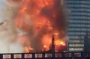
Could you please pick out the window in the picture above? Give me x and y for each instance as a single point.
(79, 21)
(76, 49)
(79, 9)
(74, 5)
(77, 25)
(73, 36)
(76, 33)
(88, 36)
(78, 17)
(76, 41)
(79, 29)
(74, 1)
(76, 45)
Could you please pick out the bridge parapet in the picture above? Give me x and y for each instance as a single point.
(58, 55)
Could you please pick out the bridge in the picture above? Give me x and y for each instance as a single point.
(47, 55)
(58, 55)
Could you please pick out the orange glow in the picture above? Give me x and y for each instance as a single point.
(28, 49)
(45, 46)
(58, 42)
(32, 17)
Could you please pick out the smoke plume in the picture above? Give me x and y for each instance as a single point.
(9, 42)
(33, 22)
(41, 19)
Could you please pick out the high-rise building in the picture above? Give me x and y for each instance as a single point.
(79, 23)
(87, 42)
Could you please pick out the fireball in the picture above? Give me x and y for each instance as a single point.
(40, 19)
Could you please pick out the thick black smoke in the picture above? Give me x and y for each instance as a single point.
(59, 22)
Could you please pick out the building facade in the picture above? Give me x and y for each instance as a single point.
(79, 23)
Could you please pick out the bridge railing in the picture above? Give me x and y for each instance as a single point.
(58, 55)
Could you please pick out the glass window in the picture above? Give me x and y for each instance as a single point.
(76, 33)
(75, 37)
(76, 49)
(79, 21)
(80, 9)
(78, 29)
(74, 5)
(76, 45)
(78, 17)
(76, 41)
(88, 36)
(77, 25)
(78, 1)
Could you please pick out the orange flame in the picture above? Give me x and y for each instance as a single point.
(31, 16)
(58, 42)
(28, 49)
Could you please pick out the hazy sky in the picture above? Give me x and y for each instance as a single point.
(2, 4)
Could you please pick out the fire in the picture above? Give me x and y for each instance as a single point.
(45, 48)
(28, 49)
(42, 18)
(58, 42)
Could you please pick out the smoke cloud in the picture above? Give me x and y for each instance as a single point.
(26, 27)
(9, 42)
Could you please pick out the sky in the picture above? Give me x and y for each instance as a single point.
(2, 4)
